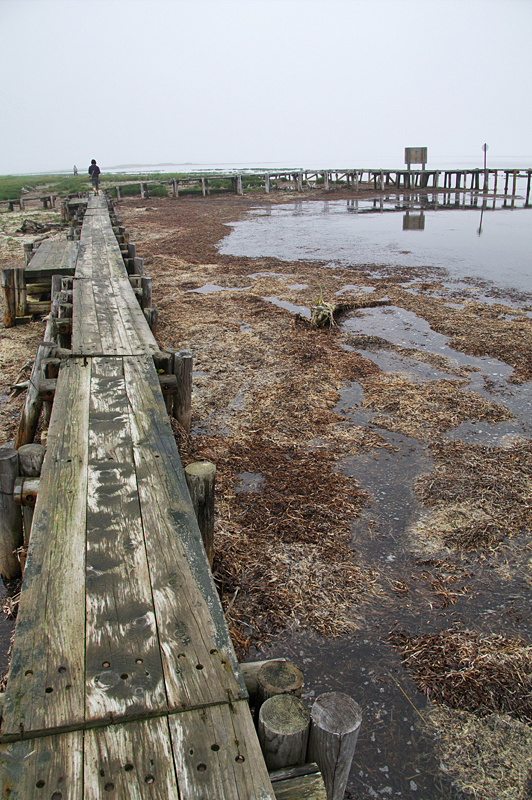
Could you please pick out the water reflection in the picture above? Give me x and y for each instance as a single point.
(371, 232)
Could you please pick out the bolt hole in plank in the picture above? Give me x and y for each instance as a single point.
(124, 676)
(149, 779)
(28, 672)
(138, 661)
(40, 784)
(106, 665)
(199, 666)
(49, 689)
(181, 655)
(57, 796)
(62, 669)
(201, 767)
(128, 767)
(215, 747)
(213, 651)
(240, 759)
(109, 787)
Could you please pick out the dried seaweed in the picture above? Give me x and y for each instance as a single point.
(471, 672)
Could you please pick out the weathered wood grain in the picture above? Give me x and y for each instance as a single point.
(46, 686)
(52, 258)
(198, 657)
(124, 674)
(217, 754)
(132, 760)
(49, 767)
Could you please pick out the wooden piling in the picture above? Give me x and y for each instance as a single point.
(335, 725)
(164, 364)
(32, 407)
(31, 457)
(11, 536)
(200, 478)
(278, 677)
(146, 285)
(8, 292)
(151, 315)
(183, 399)
(283, 730)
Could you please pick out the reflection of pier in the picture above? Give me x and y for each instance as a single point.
(432, 201)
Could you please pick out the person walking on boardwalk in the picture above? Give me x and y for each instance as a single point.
(94, 172)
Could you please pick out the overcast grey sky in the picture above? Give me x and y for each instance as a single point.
(306, 82)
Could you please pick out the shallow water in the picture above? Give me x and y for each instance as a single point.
(345, 234)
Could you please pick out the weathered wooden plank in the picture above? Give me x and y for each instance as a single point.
(124, 675)
(85, 329)
(217, 754)
(198, 658)
(52, 258)
(46, 683)
(130, 761)
(49, 767)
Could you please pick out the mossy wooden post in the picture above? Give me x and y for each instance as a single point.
(267, 184)
(200, 478)
(334, 728)
(11, 536)
(8, 292)
(283, 730)
(250, 671)
(117, 191)
(183, 398)
(32, 407)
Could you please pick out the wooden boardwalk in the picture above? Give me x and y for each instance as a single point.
(123, 680)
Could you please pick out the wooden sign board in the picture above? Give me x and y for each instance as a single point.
(415, 155)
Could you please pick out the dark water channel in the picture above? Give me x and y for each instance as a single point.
(396, 756)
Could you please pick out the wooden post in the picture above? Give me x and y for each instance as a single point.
(200, 481)
(239, 189)
(138, 266)
(326, 181)
(151, 315)
(283, 731)
(183, 399)
(203, 187)
(250, 671)
(143, 191)
(164, 364)
(32, 407)
(31, 457)
(278, 677)
(335, 724)
(267, 184)
(11, 537)
(9, 291)
(146, 285)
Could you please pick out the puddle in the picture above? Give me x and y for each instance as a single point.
(304, 311)
(249, 482)
(211, 288)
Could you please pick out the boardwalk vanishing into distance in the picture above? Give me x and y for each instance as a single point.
(123, 680)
